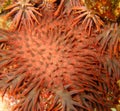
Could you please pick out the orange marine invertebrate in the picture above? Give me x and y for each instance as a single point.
(49, 69)
(109, 40)
(24, 14)
(66, 60)
(87, 18)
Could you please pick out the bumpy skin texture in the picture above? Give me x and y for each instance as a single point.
(52, 67)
